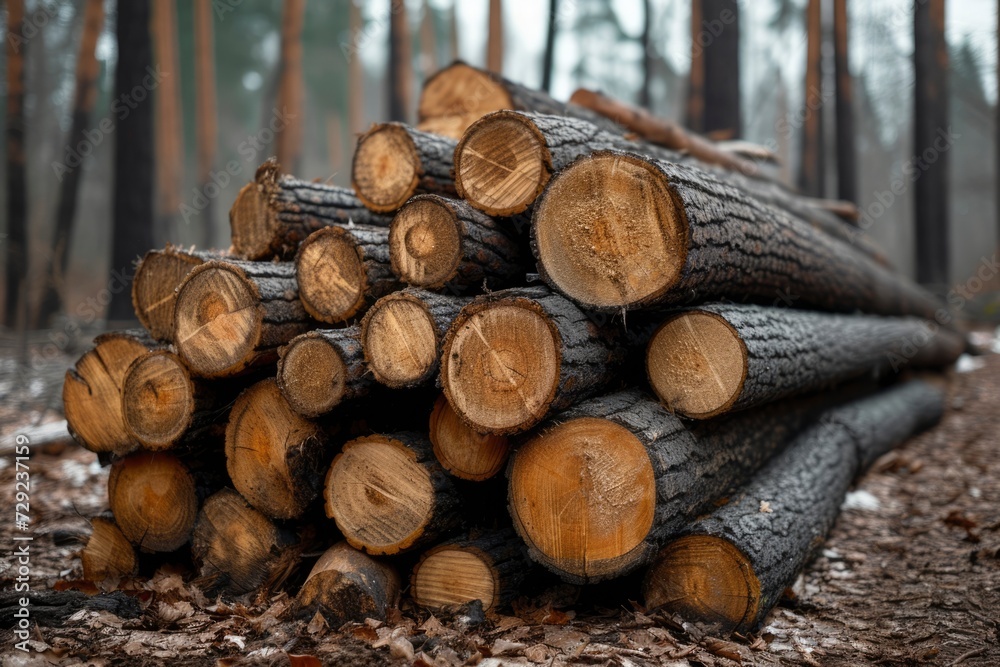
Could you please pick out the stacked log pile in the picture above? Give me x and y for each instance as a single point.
(681, 364)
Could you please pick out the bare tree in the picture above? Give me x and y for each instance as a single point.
(548, 59)
(400, 63)
(290, 87)
(811, 176)
(169, 128)
(355, 77)
(714, 90)
(647, 57)
(15, 304)
(846, 150)
(494, 42)
(428, 42)
(206, 123)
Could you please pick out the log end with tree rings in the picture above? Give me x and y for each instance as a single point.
(332, 277)
(386, 169)
(502, 164)
(610, 233)
(153, 498)
(697, 364)
(158, 400)
(312, 374)
(463, 452)
(400, 340)
(253, 218)
(457, 96)
(451, 575)
(425, 242)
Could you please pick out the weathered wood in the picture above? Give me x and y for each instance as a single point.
(393, 162)
(321, 369)
(730, 568)
(154, 287)
(275, 457)
(388, 494)
(343, 270)
(108, 557)
(275, 213)
(346, 586)
(402, 335)
(599, 489)
(92, 398)
(488, 567)
(514, 356)
(231, 316)
(460, 450)
(619, 231)
(722, 358)
(436, 242)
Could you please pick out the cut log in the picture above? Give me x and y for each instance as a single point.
(108, 557)
(463, 452)
(514, 356)
(320, 369)
(346, 586)
(231, 316)
(488, 567)
(393, 162)
(274, 214)
(343, 270)
(726, 357)
(436, 242)
(237, 549)
(154, 288)
(597, 491)
(402, 335)
(732, 567)
(275, 457)
(92, 397)
(154, 500)
(388, 494)
(618, 231)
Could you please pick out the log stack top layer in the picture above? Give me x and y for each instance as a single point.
(154, 288)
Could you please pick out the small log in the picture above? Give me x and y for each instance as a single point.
(730, 568)
(237, 549)
(154, 287)
(463, 452)
(436, 242)
(388, 494)
(489, 567)
(92, 392)
(231, 316)
(343, 270)
(275, 457)
(393, 162)
(275, 213)
(619, 231)
(402, 335)
(346, 586)
(722, 358)
(598, 490)
(154, 500)
(514, 356)
(321, 369)
(108, 556)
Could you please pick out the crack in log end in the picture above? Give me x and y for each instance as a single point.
(331, 275)
(157, 399)
(400, 340)
(386, 168)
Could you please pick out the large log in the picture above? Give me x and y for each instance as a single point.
(402, 335)
(388, 494)
(514, 356)
(154, 287)
(275, 213)
(231, 316)
(599, 489)
(731, 568)
(275, 457)
(393, 162)
(91, 394)
(436, 242)
(343, 270)
(460, 450)
(320, 369)
(108, 556)
(346, 585)
(620, 231)
(722, 358)
(488, 567)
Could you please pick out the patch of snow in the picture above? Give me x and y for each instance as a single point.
(860, 500)
(967, 363)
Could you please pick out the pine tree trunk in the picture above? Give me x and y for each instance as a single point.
(847, 178)
(347, 586)
(355, 75)
(722, 67)
(206, 125)
(647, 54)
(168, 122)
(290, 87)
(812, 173)
(321, 369)
(15, 301)
(400, 65)
(695, 106)
(494, 40)
(154, 288)
(549, 56)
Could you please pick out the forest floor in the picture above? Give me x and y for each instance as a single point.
(909, 576)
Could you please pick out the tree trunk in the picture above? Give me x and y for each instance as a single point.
(811, 175)
(275, 213)
(275, 457)
(723, 358)
(206, 126)
(700, 240)
(402, 335)
(494, 40)
(341, 271)
(428, 42)
(154, 288)
(400, 74)
(108, 557)
(647, 56)
(460, 450)
(847, 189)
(393, 162)
(930, 65)
(722, 67)
(84, 98)
(169, 126)
(231, 316)
(731, 568)
(388, 494)
(132, 233)
(695, 111)
(290, 89)
(514, 356)
(15, 301)
(347, 586)
(549, 56)
(355, 75)
(440, 243)
(321, 369)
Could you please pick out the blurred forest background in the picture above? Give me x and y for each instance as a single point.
(637, 50)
